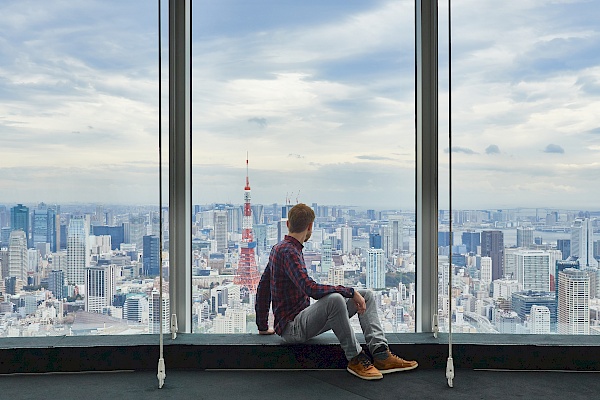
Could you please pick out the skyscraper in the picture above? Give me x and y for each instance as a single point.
(151, 255)
(375, 241)
(326, 256)
(471, 240)
(346, 236)
(154, 312)
(396, 223)
(40, 225)
(573, 302)
(19, 219)
(533, 270)
(582, 242)
(539, 322)
(375, 270)
(137, 231)
(492, 245)
(116, 233)
(134, 307)
(18, 259)
(524, 236)
(221, 230)
(77, 251)
(100, 287)
(486, 270)
(522, 303)
(56, 283)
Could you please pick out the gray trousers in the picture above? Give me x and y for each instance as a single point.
(334, 312)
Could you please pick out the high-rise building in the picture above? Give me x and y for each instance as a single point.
(560, 266)
(137, 231)
(396, 224)
(336, 275)
(492, 245)
(40, 225)
(151, 255)
(18, 257)
(234, 218)
(375, 241)
(155, 308)
(221, 230)
(5, 235)
(135, 308)
(100, 287)
(524, 236)
(260, 236)
(443, 238)
(56, 283)
(471, 240)
(375, 269)
(116, 233)
(486, 270)
(523, 302)
(504, 288)
(346, 237)
(219, 299)
(258, 214)
(234, 321)
(533, 270)
(564, 245)
(573, 302)
(77, 251)
(44, 227)
(326, 256)
(19, 219)
(539, 320)
(582, 242)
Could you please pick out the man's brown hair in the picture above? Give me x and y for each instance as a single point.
(299, 217)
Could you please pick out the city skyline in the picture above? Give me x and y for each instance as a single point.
(323, 108)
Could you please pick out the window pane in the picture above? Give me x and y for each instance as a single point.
(79, 172)
(319, 97)
(524, 162)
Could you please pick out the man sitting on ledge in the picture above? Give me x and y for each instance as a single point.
(285, 283)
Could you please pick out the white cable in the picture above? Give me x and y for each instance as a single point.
(161, 375)
(450, 362)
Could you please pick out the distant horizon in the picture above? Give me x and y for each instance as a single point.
(33, 205)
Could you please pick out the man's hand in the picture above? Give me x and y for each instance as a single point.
(267, 332)
(361, 306)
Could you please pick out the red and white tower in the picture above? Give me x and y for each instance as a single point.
(247, 272)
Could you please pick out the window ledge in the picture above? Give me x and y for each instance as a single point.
(252, 351)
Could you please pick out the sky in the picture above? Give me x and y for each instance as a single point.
(319, 94)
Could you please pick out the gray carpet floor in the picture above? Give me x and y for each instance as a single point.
(305, 385)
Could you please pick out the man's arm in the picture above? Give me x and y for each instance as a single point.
(296, 270)
(263, 301)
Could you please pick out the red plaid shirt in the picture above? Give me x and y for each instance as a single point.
(286, 284)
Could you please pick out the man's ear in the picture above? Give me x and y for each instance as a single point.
(287, 223)
(310, 226)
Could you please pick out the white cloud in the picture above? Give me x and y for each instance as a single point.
(338, 91)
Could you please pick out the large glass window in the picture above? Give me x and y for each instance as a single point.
(525, 252)
(79, 202)
(309, 102)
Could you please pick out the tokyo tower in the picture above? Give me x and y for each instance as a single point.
(247, 272)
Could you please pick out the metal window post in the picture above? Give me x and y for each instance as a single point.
(180, 162)
(426, 46)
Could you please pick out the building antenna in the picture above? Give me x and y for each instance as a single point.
(247, 180)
